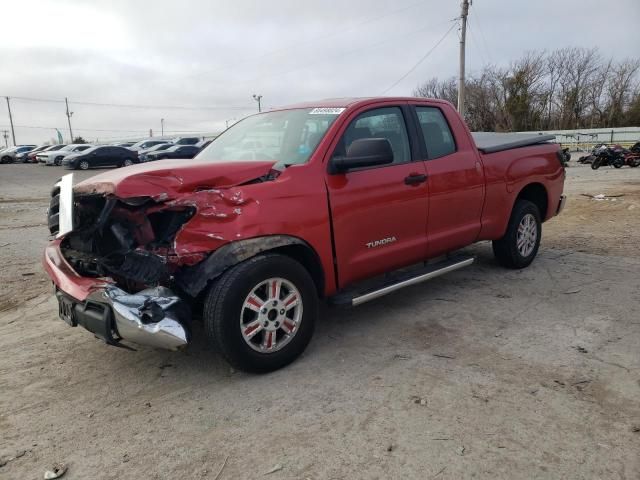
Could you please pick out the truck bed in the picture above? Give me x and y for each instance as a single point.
(490, 142)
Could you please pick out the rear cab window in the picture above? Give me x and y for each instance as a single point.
(438, 139)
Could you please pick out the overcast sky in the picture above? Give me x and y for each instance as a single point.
(214, 54)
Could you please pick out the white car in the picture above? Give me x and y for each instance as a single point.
(55, 157)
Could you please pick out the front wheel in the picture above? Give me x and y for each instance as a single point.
(618, 163)
(595, 164)
(261, 313)
(84, 165)
(519, 245)
(127, 162)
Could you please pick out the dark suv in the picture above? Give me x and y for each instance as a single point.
(101, 156)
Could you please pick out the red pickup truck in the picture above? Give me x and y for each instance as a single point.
(340, 200)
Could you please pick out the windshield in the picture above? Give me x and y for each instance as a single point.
(288, 136)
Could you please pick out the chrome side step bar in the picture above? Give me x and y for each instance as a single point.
(402, 281)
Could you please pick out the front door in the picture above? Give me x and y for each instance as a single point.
(378, 213)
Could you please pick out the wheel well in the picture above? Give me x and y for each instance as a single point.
(308, 259)
(536, 194)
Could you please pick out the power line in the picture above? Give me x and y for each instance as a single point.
(424, 57)
(484, 40)
(39, 127)
(335, 32)
(476, 43)
(340, 54)
(128, 105)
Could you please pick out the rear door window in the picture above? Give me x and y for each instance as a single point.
(436, 132)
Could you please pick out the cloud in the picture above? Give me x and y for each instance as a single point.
(218, 53)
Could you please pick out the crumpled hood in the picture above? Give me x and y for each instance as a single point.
(167, 179)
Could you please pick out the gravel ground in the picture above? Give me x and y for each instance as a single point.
(484, 373)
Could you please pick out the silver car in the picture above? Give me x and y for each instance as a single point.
(9, 154)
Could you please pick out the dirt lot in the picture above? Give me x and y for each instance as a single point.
(485, 373)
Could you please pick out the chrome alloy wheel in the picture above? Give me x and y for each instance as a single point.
(527, 235)
(271, 315)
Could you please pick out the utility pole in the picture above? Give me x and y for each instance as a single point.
(13, 133)
(162, 126)
(258, 98)
(69, 119)
(6, 137)
(463, 36)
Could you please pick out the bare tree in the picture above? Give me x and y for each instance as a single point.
(567, 88)
(619, 88)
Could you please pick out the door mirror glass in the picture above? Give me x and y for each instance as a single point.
(365, 152)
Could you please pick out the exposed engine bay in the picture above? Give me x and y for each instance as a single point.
(131, 241)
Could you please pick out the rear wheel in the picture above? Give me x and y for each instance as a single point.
(261, 313)
(127, 162)
(519, 245)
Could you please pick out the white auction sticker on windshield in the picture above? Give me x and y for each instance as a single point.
(327, 111)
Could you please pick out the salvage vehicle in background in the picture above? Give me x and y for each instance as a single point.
(9, 155)
(55, 156)
(340, 200)
(176, 151)
(100, 156)
(608, 156)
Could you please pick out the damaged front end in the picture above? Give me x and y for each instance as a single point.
(124, 252)
(128, 245)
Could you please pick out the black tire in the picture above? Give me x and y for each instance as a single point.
(595, 164)
(506, 249)
(618, 163)
(5, 159)
(58, 161)
(223, 307)
(127, 162)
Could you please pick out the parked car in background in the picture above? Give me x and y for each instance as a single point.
(32, 156)
(187, 141)
(9, 154)
(176, 151)
(144, 144)
(124, 144)
(100, 156)
(142, 155)
(23, 157)
(55, 157)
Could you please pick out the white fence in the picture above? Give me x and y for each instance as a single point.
(586, 138)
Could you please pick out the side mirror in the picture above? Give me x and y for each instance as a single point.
(366, 152)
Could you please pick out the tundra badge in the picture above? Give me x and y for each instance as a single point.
(380, 243)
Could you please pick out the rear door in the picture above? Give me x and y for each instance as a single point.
(455, 177)
(378, 213)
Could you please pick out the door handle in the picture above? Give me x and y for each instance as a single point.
(415, 179)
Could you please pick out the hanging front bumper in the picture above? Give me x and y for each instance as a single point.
(155, 316)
